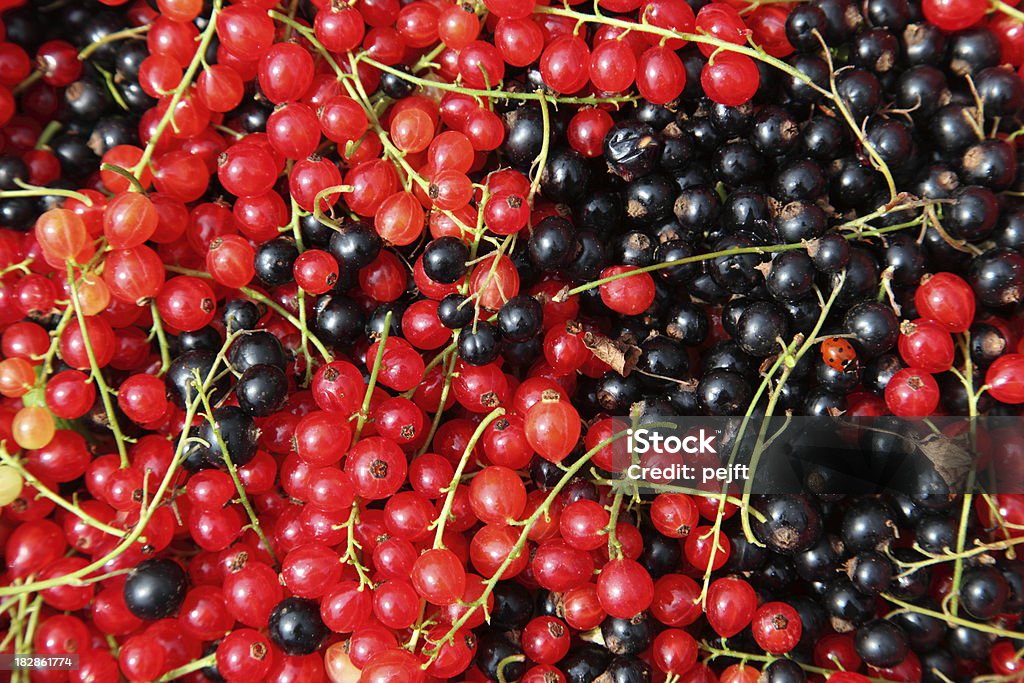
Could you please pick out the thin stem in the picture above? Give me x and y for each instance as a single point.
(97, 374)
(254, 521)
(194, 665)
(112, 37)
(364, 409)
(28, 190)
(520, 544)
(126, 174)
(541, 161)
(449, 499)
(180, 90)
(148, 509)
(257, 295)
(1007, 9)
(303, 327)
(716, 652)
(59, 500)
(52, 128)
(877, 161)
(754, 53)
(614, 546)
(952, 619)
(494, 94)
(161, 339)
(351, 555)
(446, 387)
(790, 360)
(27, 83)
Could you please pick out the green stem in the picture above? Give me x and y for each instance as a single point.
(52, 128)
(27, 83)
(303, 327)
(520, 544)
(716, 652)
(254, 521)
(753, 53)
(496, 94)
(112, 37)
(449, 499)
(542, 159)
(876, 159)
(148, 509)
(614, 546)
(1007, 9)
(257, 295)
(126, 174)
(39, 191)
(446, 387)
(161, 339)
(952, 619)
(378, 360)
(194, 665)
(180, 90)
(97, 374)
(352, 548)
(967, 504)
(59, 500)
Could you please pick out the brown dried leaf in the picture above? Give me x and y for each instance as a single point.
(951, 460)
(622, 357)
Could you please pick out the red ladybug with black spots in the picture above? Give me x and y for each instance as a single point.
(838, 353)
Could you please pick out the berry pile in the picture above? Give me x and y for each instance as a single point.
(320, 320)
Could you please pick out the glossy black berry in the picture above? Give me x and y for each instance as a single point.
(627, 636)
(552, 243)
(565, 177)
(256, 348)
(295, 626)
(722, 392)
(355, 245)
(870, 572)
(479, 344)
(997, 277)
(806, 26)
(792, 523)
(275, 260)
(262, 390)
(874, 326)
(631, 149)
(339, 320)
(881, 643)
(983, 592)
(868, 525)
(240, 314)
(155, 589)
(520, 318)
(444, 259)
(455, 311)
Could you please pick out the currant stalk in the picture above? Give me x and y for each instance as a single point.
(254, 522)
(97, 375)
(186, 80)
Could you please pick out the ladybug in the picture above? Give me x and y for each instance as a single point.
(838, 353)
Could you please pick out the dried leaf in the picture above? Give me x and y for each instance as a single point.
(951, 460)
(622, 357)
(561, 296)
